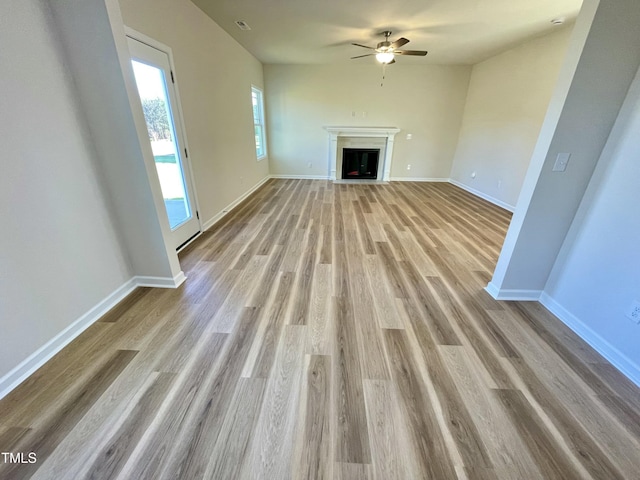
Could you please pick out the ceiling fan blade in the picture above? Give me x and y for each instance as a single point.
(400, 42)
(420, 53)
(363, 46)
(366, 55)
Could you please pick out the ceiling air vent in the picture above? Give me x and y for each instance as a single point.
(242, 25)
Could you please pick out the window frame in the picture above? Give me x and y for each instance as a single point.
(259, 122)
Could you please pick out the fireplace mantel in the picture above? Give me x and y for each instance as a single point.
(367, 132)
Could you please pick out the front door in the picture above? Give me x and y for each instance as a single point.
(154, 79)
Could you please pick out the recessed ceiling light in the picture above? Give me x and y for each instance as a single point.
(242, 25)
(558, 21)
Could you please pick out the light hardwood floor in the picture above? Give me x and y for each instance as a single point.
(330, 331)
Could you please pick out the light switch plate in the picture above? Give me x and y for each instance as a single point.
(561, 162)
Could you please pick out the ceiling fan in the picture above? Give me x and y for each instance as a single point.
(386, 51)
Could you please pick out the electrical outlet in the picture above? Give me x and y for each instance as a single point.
(409, 166)
(309, 165)
(634, 312)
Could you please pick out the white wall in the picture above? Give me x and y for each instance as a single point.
(426, 101)
(597, 274)
(59, 251)
(506, 103)
(92, 36)
(214, 76)
(592, 86)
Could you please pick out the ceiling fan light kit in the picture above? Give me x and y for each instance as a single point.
(386, 51)
(384, 57)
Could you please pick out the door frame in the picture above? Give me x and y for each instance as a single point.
(177, 117)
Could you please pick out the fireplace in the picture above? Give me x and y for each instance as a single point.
(368, 138)
(360, 163)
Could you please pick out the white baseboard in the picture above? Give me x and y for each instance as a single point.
(302, 177)
(28, 366)
(629, 368)
(391, 179)
(160, 282)
(482, 195)
(41, 356)
(417, 179)
(514, 295)
(216, 218)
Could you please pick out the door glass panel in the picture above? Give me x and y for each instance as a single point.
(152, 89)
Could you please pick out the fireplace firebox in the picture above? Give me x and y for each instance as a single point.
(360, 163)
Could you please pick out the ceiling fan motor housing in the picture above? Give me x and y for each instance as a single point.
(386, 50)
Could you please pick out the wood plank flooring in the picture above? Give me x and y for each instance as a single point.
(329, 331)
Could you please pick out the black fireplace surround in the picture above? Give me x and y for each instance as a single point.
(360, 163)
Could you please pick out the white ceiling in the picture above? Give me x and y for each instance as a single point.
(321, 31)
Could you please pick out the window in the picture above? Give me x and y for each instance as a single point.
(258, 122)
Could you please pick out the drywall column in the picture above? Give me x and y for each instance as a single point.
(93, 37)
(602, 59)
(595, 279)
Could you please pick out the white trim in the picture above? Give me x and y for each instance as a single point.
(388, 133)
(41, 356)
(217, 217)
(392, 179)
(152, 42)
(360, 182)
(303, 177)
(160, 282)
(513, 295)
(418, 179)
(629, 368)
(362, 131)
(260, 90)
(179, 118)
(492, 290)
(480, 194)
